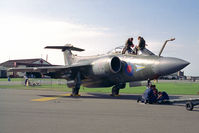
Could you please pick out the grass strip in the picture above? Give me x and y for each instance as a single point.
(170, 88)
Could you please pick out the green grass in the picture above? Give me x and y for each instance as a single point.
(170, 88)
(179, 88)
(13, 79)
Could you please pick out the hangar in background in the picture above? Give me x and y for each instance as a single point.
(38, 62)
(3, 72)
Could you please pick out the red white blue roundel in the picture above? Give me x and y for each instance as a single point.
(129, 69)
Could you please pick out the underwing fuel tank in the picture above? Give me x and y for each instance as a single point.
(169, 65)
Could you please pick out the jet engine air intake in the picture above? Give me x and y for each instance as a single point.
(108, 65)
(115, 64)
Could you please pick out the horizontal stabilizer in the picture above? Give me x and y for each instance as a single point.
(66, 47)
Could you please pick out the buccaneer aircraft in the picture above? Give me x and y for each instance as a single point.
(113, 69)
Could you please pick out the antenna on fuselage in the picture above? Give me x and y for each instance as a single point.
(172, 39)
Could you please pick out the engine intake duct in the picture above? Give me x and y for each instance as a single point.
(108, 65)
(115, 64)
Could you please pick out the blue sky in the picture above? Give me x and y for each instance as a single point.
(98, 25)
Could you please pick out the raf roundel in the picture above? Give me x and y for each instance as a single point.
(129, 69)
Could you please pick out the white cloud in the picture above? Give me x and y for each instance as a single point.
(25, 37)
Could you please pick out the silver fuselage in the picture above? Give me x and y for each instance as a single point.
(133, 68)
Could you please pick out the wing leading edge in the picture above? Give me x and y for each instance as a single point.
(49, 68)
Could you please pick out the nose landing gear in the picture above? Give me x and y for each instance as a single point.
(116, 88)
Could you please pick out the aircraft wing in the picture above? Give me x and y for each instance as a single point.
(48, 69)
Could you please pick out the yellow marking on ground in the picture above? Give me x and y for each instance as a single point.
(44, 99)
(67, 94)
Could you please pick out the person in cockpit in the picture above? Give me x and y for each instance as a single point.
(128, 45)
(141, 44)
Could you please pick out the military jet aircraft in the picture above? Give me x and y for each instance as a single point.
(113, 69)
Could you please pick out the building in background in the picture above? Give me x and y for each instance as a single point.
(3, 72)
(38, 62)
(175, 76)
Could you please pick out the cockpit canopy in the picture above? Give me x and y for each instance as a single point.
(118, 50)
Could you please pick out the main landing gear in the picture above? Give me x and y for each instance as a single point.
(116, 88)
(75, 90)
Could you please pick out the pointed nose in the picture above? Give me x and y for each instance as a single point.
(170, 65)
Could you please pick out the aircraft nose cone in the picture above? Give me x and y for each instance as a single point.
(170, 65)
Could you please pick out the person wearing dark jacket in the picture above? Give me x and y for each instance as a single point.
(128, 45)
(141, 44)
(148, 96)
(162, 96)
(154, 95)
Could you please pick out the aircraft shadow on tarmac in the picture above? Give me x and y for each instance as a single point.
(96, 96)
(121, 97)
(102, 96)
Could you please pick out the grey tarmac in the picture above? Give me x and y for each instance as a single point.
(23, 111)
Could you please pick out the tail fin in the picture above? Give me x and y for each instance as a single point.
(68, 56)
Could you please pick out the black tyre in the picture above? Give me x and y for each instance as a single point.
(146, 101)
(139, 99)
(189, 106)
(115, 90)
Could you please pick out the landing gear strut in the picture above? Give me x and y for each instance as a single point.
(75, 90)
(116, 88)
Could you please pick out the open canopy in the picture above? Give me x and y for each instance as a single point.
(119, 49)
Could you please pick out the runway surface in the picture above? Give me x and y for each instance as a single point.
(33, 111)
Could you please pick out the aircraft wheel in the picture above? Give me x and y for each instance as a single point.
(115, 91)
(75, 90)
(189, 106)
